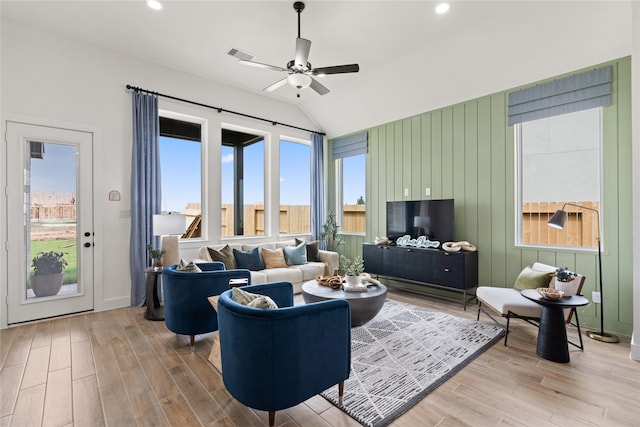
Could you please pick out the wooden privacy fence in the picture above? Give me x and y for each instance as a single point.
(293, 219)
(580, 229)
(354, 219)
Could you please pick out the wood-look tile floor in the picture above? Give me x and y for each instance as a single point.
(115, 368)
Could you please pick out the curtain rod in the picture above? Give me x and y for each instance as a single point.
(220, 110)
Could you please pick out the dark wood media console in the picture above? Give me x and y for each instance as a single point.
(456, 271)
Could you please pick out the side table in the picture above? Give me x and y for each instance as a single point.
(214, 356)
(552, 335)
(155, 311)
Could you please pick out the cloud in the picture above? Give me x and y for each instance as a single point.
(281, 179)
(227, 159)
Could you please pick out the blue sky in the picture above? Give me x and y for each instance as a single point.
(56, 171)
(181, 184)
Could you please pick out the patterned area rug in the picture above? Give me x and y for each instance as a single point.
(403, 354)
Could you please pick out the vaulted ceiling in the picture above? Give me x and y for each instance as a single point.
(411, 59)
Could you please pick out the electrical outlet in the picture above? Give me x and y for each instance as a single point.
(595, 296)
(406, 191)
(427, 191)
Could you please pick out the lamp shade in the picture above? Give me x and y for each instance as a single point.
(165, 225)
(299, 81)
(558, 219)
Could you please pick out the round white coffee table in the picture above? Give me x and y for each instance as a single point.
(364, 305)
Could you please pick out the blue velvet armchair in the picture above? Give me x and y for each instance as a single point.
(273, 359)
(186, 308)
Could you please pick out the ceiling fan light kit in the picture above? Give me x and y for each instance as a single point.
(299, 81)
(300, 72)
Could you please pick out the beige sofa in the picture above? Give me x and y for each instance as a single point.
(296, 274)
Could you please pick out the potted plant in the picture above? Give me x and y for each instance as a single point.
(352, 268)
(156, 256)
(47, 276)
(329, 234)
(563, 276)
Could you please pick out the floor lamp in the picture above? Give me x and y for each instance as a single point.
(557, 221)
(170, 227)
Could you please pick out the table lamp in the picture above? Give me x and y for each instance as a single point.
(557, 221)
(170, 227)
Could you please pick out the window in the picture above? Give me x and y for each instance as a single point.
(349, 153)
(181, 171)
(351, 181)
(242, 180)
(559, 161)
(295, 187)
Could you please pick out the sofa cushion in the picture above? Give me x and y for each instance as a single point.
(291, 274)
(505, 300)
(249, 260)
(224, 255)
(532, 279)
(258, 277)
(273, 258)
(310, 270)
(313, 250)
(252, 300)
(296, 255)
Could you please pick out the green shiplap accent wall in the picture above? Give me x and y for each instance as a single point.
(467, 152)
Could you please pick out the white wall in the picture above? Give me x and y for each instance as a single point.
(51, 80)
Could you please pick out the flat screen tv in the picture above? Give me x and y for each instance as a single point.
(431, 218)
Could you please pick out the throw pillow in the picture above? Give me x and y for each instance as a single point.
(313, 250)
(225, 256)
(296, 255)
(249, 260)
(532, 279)
(252, 300)
(188, 266)
(274, 258)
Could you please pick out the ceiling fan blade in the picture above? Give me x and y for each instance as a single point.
(237, 53)
(318, 87)
(276, 85)
(302, 51)
(336, 69)
(261, 65)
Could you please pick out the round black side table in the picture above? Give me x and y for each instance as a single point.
(552, 335)
(155, 311)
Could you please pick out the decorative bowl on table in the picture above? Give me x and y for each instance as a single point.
(550, 293)
(334, 282)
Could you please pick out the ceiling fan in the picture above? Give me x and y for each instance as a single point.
(300, 72)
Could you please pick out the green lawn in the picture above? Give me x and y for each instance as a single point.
(62, 245)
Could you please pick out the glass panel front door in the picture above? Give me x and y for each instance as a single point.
(50, 217)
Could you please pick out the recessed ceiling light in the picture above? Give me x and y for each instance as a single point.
(154, 4)
(442, 8)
